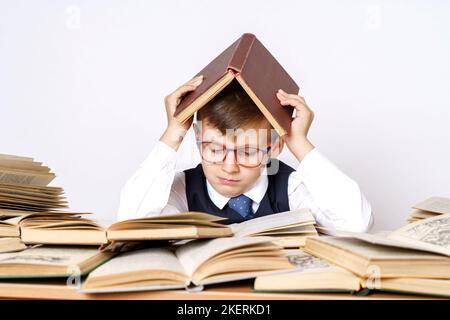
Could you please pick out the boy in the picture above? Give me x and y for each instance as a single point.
(234, 179)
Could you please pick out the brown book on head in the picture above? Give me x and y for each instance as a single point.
(256, 70)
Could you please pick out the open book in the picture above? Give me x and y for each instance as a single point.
(10, 223)
(52, 262)
(249, 63)
(312, 274)
(198, 263)
(82, 231)
(289, 229)
(372, 260)
(431, 234)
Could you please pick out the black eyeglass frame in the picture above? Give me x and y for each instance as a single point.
(226, 150)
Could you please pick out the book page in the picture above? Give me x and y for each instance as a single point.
(138, 260)
(25, 177)
(11, 245)
(290, 231)
(271, 221)
(23, 165)
(432, 234)
(32, 188)
(369, 250)
(194, 253)
(382, 238)
(420, 214)
(191, 215)
(306, 263)
(435, 204)
(185, 218)
(11, 221)
(50, 255)
(14, 157)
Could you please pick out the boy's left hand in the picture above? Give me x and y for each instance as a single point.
(297, 138)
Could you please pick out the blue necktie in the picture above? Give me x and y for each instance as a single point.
(242, 205)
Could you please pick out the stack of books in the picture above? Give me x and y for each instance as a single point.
(24, 192)
(414, 259)
(189, 249)
(162, 252)
(24, 186)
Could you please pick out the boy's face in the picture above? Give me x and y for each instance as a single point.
(228, 177)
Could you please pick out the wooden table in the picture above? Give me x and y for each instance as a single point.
(236, 291)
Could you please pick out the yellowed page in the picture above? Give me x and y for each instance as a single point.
(50, 255)
(432, 234)
(261, 224)
(307, 267)
(194, 253)
(374, 251)
(138, 260)
(11, 245)
(435, 204)
(25, 177)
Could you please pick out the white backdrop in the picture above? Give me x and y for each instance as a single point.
(82, 86)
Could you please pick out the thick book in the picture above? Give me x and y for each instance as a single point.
(312, 274)
(430, 235)
(248, 62)
(416, 286)
(72, 230)
(192, 265)
(51, 262)
(372, 260)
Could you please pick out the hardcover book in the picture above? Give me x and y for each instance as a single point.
(249, 63)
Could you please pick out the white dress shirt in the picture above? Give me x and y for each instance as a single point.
(335, 200)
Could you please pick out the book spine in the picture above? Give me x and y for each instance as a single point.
(241, 53)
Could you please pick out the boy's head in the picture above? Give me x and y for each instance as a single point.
(232, 120)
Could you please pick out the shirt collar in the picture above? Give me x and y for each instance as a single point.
(256, 193)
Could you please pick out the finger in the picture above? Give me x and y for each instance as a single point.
(293, 96)
(301, 110)
(294, 103)
(175, 97)
(183, 90)
(197, 79)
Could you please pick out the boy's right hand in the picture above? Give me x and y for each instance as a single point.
(175, 132)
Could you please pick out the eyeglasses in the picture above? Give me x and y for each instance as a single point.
(247, 156)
